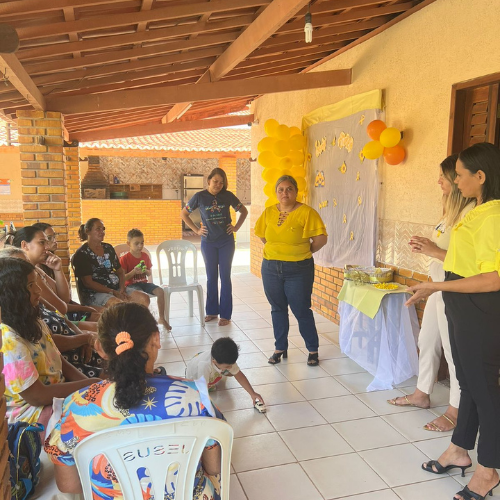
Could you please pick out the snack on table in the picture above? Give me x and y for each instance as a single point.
(369, 274)
(386, 286)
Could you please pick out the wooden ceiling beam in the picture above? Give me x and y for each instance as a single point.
(340, 30)
(25, 7)
(12, 69)
(126, 99)
(154, 129)
(373, 33)
(293, 50)
(184, 10)
(352, 16)
(142, 52)
(275, 15)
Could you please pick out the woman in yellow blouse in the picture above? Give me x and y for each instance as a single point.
(471, 292)
(291, 233)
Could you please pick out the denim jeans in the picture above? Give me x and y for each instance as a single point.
(290, 284)
(218, 256)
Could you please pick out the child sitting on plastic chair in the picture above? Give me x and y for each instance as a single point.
(220, 362)
(137, 266)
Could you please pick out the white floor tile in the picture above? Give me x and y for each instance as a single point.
(330, 351)
(327, 327)
(397, 465)
(276, 394)
(259, 333)
(440, 394)
(168, 356)
(342, 408)
(440, 488)
(181, 331)
(343, 475)
(315, 442)
(252, 360)
(340, 366)
(285, 481)
(247, 346)
(194, 341)
(356, 382)
(177, 369)
(411, 424)
(258, 452)
(369, 433)
(374, 495)
(247, 324)
(299, 341)
(236, 335)
(232, 399)
(266, 375)
(184, 321)
(265, 344)
(245, 316)
(293, 416)
(320, 388)
(248, 422)
(301, 371)
(235, 490)
(188, 353)
(293, 356)
(167, 342)
(377, 401)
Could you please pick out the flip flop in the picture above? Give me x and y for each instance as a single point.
(435, 428)
(210, 317)
(393, 403)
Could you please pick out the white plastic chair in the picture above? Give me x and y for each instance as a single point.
(176, 251)
(156, 446)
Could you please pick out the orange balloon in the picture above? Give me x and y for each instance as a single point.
(395, 155)
(375, 128)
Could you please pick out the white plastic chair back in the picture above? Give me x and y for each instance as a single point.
(170, 450)
(176, 251)
(123, 248)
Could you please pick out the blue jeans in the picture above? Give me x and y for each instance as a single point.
(290, 284)
(218, 257)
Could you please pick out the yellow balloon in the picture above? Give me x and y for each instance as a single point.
(268, 159)
(390, 137)
(297, 157)
(298, 172)
(282, 132)
(271, 127)
(301, 196)
(373, 150)
(271, 201)
(297, 142)
(285, 172)
(269, 190)
(301, 183)
(281, 148)
(285, 163)
(266, 144)
(270, 174)
(295, 131)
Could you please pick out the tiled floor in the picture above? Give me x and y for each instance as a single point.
(323, 437)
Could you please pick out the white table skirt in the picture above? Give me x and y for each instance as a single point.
(384, 346)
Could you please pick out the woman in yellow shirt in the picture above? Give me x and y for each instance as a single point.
(291, 232)
(471, 293)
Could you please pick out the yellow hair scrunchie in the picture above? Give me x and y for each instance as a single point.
(124, 342)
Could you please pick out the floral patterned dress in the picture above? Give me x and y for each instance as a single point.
(92, 409)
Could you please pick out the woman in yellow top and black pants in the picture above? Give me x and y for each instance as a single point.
(471, 294)
(291, 232)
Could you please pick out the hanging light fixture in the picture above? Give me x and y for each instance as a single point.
(308, 28)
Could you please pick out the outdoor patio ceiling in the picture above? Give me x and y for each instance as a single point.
(120, 68)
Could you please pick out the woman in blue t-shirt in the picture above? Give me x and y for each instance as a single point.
(217, 241)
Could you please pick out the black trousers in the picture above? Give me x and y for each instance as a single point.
(474, 325)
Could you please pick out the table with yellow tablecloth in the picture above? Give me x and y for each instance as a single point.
(379, 332)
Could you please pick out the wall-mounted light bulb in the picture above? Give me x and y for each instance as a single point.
(308, 28)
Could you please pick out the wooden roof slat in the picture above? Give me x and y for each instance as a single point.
(188, 93)
(17, 76)
(163, 13)
(354, 15)
(154, 129)
(104, 42)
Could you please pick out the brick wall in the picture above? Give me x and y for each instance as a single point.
(159, 220)
(73, 201)
(15, 217)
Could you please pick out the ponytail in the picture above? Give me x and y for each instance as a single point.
(84, 229)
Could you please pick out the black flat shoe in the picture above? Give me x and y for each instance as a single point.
(467, 494)
(441, 470)
(312, 359)
(276, 357)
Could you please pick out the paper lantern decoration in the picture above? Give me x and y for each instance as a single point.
(390, 137)
(375, 128)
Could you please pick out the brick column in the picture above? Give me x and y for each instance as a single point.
(73, 194)
(43, 174)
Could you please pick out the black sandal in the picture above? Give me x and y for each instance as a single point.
(276, 357)
(468, 494)
(441, 470)
(313, 360)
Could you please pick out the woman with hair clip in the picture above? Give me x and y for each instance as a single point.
(34, 370)
(217, 241)
(471, 293)
(434, 332)
(76, 345)
(100, 279)
(129, 340)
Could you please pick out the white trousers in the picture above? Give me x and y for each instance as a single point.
(434, 335)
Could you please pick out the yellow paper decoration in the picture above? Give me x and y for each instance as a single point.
(335, 202)
(344, 220)
(361, 156)
(323, 204)
(359, 200)
(357, 176)
(343, 168)
(320, 179)
(351, 237)
(345, 141)
(334, 140)
(362, 119)
(320, 146)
